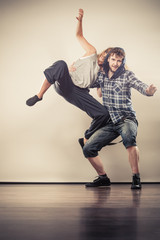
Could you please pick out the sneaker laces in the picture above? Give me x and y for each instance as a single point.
(96, 178)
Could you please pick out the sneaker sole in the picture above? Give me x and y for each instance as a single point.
(136, 187)
(100, 186)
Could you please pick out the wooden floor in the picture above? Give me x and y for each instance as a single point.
(71, 211)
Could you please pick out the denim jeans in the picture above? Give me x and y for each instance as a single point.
(127, 129)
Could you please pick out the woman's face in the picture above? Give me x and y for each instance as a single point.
(101, 58)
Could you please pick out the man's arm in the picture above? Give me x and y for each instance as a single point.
(99, 92)
(140, 86)
(79, 34)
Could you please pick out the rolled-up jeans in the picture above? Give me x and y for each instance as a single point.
(127, 129)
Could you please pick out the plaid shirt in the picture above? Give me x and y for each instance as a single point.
(116, 93)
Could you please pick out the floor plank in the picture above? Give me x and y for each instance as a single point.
(71, 211)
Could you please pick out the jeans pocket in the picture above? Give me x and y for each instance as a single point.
(131, 120)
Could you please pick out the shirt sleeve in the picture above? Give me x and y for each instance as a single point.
(95, 85)
(137, 84)
(99, 80)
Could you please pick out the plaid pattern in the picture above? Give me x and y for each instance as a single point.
(116, 94)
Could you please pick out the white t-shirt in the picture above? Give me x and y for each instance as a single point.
(86, 71)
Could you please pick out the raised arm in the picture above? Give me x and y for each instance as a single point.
(89, 49)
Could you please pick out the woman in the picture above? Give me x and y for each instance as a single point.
(73, 83)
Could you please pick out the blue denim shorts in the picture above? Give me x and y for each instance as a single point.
(127, 129)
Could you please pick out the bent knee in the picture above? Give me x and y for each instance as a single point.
(61, 63)
(85, 151)
(89, 152)
(130, 142)
(103, 114)
(57, 66)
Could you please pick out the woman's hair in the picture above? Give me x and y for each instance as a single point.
(103, 55)
(106, 51)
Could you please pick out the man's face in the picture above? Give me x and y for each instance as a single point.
(114, 62)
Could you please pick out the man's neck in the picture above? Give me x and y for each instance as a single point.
(110, 74)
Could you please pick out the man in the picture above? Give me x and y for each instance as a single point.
(116, 83)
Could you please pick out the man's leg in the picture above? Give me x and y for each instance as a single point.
(97, 164)
(102, 179)
(99, 139)
(133, 156)
(128, 131)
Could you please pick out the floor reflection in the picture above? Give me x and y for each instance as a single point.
(64, 212)
(107, 219)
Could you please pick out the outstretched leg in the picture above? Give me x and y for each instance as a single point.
(44, 88)
(58, 72)
(58, 75)
(33, 100)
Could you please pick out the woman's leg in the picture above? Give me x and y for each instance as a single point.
(44, 88)
(58, 75)
(58, 72)
(82, 99)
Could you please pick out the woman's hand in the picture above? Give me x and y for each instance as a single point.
(80, 16)
(72, 68)
(89, 49)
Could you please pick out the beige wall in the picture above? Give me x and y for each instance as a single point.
(40, 143)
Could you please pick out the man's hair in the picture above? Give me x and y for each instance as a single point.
(117, 51)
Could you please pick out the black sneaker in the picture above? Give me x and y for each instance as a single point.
(99, 182)
(31, 101)
(81, 142)
(136, 183)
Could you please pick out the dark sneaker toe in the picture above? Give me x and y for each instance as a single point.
(136, 186)
(136, 183)
(31, 101)
(99, 182)
(81, 142)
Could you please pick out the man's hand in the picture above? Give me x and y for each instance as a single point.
(80, 16)
(99, 92)
(151, 90)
